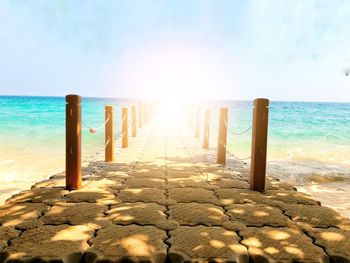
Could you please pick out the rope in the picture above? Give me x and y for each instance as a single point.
(94, 130)
(236, 157)
(107, 142)
(240, 159)
(239, 133)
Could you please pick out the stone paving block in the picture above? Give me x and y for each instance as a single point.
(180, 174)
(270, 197)
(61, 175)
(150, 162)
(6, 234)
(316, 216)
(92, 195)
(114, 174)
(272, 184)
(38, 195)
(212, 177)
(107, 183)
(193, 181)
(268, 244)
(62, 243)
(151, 172)
(137, 213)
(16, 213)
(30, 224)
(177, 164)
(291, 197)
(49, 183)
(241, 196)
(257, 215)
(188, 195)
(129, 243)
(192, 214)
(150, 195)
(205, 244)
(90, 170)
(219, 169)
(174, 171)
(137, 182)
(74, 213)
(203, 160)
(233, 225)
(230, 183)
(115, 167)
(335, 241)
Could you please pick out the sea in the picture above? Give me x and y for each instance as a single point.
(308, 142)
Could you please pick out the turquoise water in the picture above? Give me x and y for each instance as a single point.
(298, 131)
(308, 142)
(302, 135)
(32, 134)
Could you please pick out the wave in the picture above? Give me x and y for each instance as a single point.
(301, 172)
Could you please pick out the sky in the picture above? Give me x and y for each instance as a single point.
(291, 50)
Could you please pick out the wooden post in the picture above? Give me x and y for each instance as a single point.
(140, 115)
(222, 137)
(151, 111)
(144, 113)
(197, 122)
(125, 135)
(147, 112)
(109, 134)
(206, 129)
(73, 142)
(192, 116)
(259, 145)
(133, 118)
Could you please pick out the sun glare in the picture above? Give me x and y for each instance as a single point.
(173, 113)
(172, 72)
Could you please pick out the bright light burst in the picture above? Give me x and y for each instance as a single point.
(173, 72)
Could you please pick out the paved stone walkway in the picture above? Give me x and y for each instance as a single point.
(165, 199)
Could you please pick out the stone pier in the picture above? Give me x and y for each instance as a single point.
(165, 200)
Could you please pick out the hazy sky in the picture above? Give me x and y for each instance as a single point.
(234, 49)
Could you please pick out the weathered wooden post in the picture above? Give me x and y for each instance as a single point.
(140, 117)
(259, 145)
(73, 142)
(125, 135)
(133, 119)
(109, 134)
(197, 122)
(206, 129)
(222, 137)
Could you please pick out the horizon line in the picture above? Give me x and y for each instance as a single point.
(155, 99)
